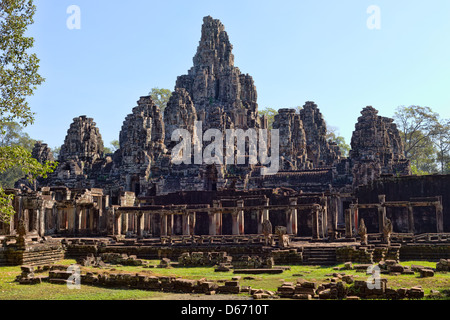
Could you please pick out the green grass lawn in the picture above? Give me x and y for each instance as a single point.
(10, 290)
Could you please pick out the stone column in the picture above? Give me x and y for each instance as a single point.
(315, 222)
(192, 222)
(77, 220)
(439, 217)
(259, 220)
(235, 223)
(56, 214)
(41, 216)
(92, 212)
(148, 222)
(381, 212)
(241, 222)
(219, 223)
(323, 202)
(185, 222)
(293, 216)
(163, 224)
(140, 225)
(171, 226)
(117, 222)
(411, 219)
(265, 213)
(100, 214)
(348, 223)
(124, 223)
(212, 224)
(217, 218)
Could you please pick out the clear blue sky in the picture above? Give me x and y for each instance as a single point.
(296, 51)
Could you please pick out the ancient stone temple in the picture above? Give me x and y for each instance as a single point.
(140, 192)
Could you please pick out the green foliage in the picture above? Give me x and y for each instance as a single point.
(115, 145)
(333, 136)
(19, 79)
(425, 138)
(161, 97)
(56, 152)
(18, 69)
(13, 136)
(270, 113)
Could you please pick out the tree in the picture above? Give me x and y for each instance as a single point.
(161, 97)
(115, 145)
(14, 136)
(334, 136)
(417, 125)
(19, 79)
(270, 114)
(441, 142)
(56, 151)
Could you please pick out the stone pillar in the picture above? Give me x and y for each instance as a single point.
(348, 223)
(56, 214)
(212, 223)
(315, 222)
(117, 222)
(333, 213)
(163, 224)
(381, 212)
(324, 213)
(41, 216)
(217, 218)
(259, 220)
(147, 222)
(185, 219)
(171, 226)
(140, 225)
(192, 222)
(241, 222)
(100, 215)
(78, 216)
(411, 219)
(234, 222)
(124, 223)
(265, 213)
(439, 217)
(92, 212)
(293, 202)
(219, 223)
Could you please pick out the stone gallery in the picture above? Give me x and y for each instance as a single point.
(319, 208)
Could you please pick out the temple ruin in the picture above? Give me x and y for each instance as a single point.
(137, 201)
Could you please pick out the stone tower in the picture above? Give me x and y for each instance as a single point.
(141, 145)
(222, 96)
(377, 148)
(83, 141)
